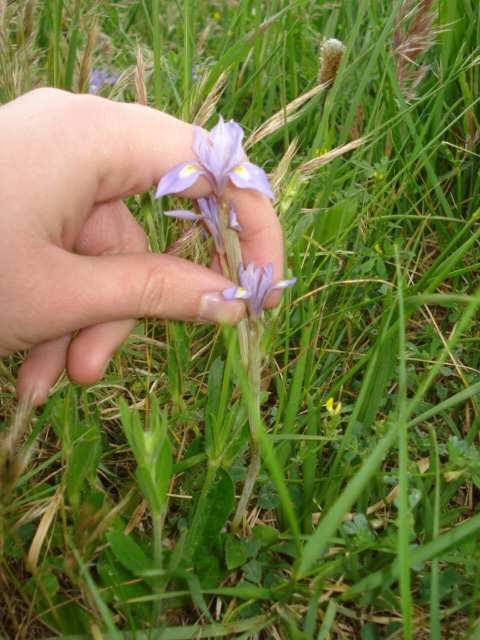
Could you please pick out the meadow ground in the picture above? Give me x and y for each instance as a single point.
(363, 521)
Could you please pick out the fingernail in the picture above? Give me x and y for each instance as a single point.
(215, 308)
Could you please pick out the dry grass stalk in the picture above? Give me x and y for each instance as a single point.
(16, 55)
(201, 109)
(13, 459)
(140, 79)
(410, 43)
(187, 243)
(86, 68)
(307, 168)
(290, 113)
(277, 177)
(29, 31)
(41, 532)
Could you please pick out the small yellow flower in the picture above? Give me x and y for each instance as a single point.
(216, 15)
(333, 411)
(450, 476)
(318, 152)
(378, 249)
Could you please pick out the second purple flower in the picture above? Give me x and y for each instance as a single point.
(255, 287)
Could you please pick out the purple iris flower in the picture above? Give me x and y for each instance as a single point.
(221, 157)
(255, 287)
(209, 215)
(97, 80)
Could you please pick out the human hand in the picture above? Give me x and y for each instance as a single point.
(66, 162)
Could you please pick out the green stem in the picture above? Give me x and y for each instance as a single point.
(157, 555)
(210, 477)
(254, 366)
(249, 340)
(230, 261)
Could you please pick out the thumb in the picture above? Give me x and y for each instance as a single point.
(93, 290)
(99, 296)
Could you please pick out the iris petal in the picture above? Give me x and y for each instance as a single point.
(248, 176)
(258, 283)
(235, 293)
(283, 284)
(220, 157)
(184, 214)
(179, 178)
(233, 220)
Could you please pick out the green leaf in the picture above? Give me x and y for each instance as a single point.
(149, 490)
(335, 220)
(268, 497)
(265, 534)
(370, 631)
(303, 224)
(251, 546)
(127, 552)
(235, 553)
(211, 515)
(215, 386)
(163, 471)
(182, 344)
(253, 570)
(83, 462)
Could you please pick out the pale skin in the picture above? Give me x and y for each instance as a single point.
(75, 269)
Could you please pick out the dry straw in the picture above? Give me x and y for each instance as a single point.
(413, 36)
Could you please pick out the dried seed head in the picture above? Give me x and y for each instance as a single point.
(414, 34)
(140, 79)
(331, 54)
(86, 68)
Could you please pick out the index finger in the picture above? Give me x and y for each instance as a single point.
(114, 150)
(151, 144)
(168, 143)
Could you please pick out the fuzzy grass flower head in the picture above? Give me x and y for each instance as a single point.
(220, 158)
(255, 287)
(331, 55)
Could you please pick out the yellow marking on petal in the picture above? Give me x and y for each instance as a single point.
(187, 171)
(242, 172)
(240, 292)
(281, 283)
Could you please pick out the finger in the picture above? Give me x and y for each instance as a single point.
(40, 370)
(261, 238)
(70, 292)
(116, 150)
(110, 229)
(92, 349)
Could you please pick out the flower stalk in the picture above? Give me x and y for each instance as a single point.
(230, 262)
(220, 159)
(254, 369)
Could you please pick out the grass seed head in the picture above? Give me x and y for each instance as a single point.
(331, 55)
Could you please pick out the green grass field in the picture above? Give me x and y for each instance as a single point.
(364, 519)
